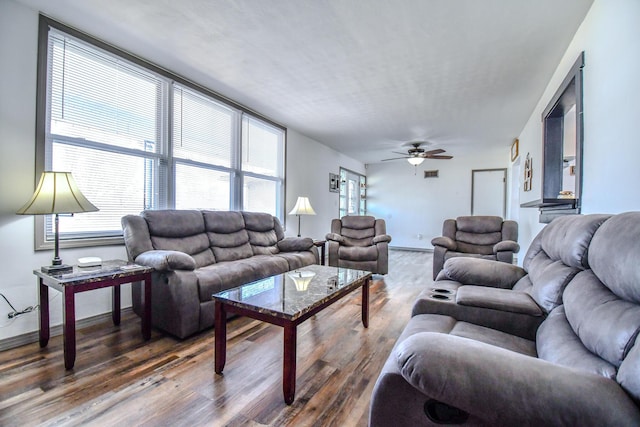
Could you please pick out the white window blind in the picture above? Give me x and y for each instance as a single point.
(137, 137)
(105, 126)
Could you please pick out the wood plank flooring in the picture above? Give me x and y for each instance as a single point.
(120, 379)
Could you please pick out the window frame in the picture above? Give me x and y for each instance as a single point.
(237, 174)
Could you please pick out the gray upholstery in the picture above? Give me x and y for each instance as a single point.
(485, 237)
(582, 367)
(360, 242)
(198, 253)
(524, 295)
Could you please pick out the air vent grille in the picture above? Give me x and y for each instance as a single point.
(431, 174)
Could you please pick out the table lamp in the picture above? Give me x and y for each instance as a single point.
(302, 207)
(57, 193)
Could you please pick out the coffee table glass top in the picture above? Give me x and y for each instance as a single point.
(292, 294)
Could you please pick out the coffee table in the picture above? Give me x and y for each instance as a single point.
(287, 300)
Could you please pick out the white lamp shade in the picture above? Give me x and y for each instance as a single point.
(302, 207)
(415, 161)
(57, 193)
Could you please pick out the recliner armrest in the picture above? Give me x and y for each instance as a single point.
(381, 238)
(166, 260)
(502, 387)
(481, 272)
(335, 237)
(506, 245)
(445, 242)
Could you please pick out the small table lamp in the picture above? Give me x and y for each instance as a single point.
(302, 207)
(57, 193)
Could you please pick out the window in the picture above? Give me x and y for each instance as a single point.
(137, 137)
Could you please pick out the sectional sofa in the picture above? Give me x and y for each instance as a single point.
(196, 253)
(553, 343)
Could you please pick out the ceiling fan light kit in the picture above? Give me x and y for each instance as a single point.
(416, 155)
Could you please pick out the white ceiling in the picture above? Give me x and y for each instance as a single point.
(361, 76)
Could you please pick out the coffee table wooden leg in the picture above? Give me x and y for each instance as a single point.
(146, 312)
(69, 327)
(365, 303)
(44, 313)
(220, 337)
(289, 364)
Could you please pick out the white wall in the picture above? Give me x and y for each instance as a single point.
(609, 36)
(308, 167)
(413, 205)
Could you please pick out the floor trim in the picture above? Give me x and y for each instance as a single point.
(31, 337)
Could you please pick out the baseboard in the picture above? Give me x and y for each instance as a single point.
(31, 337)
(401, 248)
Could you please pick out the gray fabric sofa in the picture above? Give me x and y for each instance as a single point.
(512, 298)
(198, 253)
(582, 368)
(360, 242)
(485, 237)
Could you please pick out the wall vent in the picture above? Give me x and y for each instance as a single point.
(431, 174)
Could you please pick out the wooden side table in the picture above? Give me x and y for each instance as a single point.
(109, 274)
(320, 244)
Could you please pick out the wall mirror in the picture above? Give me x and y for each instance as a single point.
(563, 137)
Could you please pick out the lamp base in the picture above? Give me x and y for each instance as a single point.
(57, 269)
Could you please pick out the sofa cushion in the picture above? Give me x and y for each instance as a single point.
(606, 324)
(613, 255)
(293, 244)
(479, 224)
(558, 343)
(174, 223)
(567, 238)
(358, 253)
(498, 299)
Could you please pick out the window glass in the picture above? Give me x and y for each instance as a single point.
(137, 137)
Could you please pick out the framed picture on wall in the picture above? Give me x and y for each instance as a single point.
(514, 150)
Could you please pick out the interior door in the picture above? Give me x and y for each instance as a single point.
(489, 192)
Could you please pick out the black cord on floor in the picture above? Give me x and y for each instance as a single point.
(15, 312)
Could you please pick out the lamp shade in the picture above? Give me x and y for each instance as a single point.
(415, 161)
(57, 193)
(302, 207)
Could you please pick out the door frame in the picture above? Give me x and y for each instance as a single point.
(504, 187)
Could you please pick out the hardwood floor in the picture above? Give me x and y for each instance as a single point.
(120, 379)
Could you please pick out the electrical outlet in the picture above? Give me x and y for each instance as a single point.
(419, 236)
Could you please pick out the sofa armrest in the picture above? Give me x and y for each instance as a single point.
(506, 246)
(445, 242)
(335, 237)
(502, 387)
(294, 244)
(166, 260)
(381, 238)
(481, 272)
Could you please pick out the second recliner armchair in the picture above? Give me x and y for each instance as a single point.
(487, 237)
(360, 242)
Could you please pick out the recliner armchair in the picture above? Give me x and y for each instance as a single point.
(360, 242)
(487, 237)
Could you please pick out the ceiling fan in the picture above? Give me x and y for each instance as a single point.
(416, 155)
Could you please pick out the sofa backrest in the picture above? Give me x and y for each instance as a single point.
(556, 255)
(358, 230)
(264, 231)
(478, 234)
(596, 329)
(179, 230)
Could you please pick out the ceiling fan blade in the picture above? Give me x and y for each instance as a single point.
(402, 154)
(436, 151)
(395, 158)
(435, 156)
